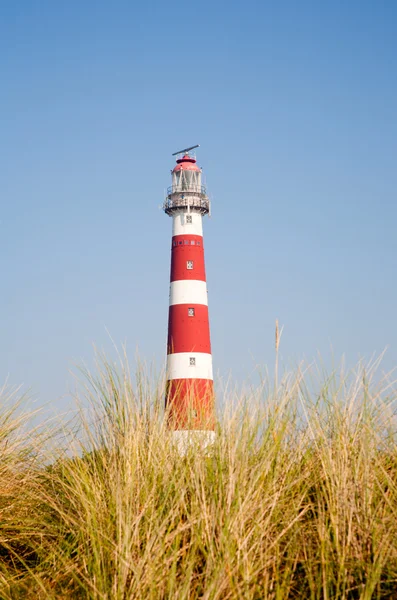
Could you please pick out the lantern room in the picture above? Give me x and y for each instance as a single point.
(186, 191)
(186, 176)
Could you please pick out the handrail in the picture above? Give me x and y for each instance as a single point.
(203, 204)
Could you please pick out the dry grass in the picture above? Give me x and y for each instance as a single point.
(296, 499)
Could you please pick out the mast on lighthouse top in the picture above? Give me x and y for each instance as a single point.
(186, 191)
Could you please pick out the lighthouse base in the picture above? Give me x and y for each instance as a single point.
(183, 439)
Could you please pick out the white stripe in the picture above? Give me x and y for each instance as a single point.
(178, 366)
(188, 291)
(184, 439)
(181, 227)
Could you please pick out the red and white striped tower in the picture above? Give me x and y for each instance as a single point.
(190, 393)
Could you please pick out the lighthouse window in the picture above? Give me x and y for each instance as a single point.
(198, 243)
(174, 243)
(190, 312)
(192, 242)
(189, 264)
(192, 361)
(180, 243)
(186, 242)
(189, 219)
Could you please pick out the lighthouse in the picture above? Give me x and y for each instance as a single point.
(189, 390)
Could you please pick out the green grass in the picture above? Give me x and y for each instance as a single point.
(297, 498)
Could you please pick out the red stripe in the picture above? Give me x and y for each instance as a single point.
(188, 334)
(190, 403)
(184, 252)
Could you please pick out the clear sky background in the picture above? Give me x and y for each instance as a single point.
(294, 105)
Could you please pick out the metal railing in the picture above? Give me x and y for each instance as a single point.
(202, 204)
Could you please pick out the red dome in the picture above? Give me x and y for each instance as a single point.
(186, 163)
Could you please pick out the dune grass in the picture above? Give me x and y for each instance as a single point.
(297, 498)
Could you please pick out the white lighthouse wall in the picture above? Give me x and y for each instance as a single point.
(188, 291)
(186, 438)
(181, 227)
(178, 366)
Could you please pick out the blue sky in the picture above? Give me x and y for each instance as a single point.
(295, 108)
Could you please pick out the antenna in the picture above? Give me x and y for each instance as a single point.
(186, 149)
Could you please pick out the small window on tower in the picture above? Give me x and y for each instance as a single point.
(180, 243)
(192, 361)
(189, 265)
(186, 242)
(189, 219)
(174, 243)
(190, 312)
(192, 242)
(198, 243)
